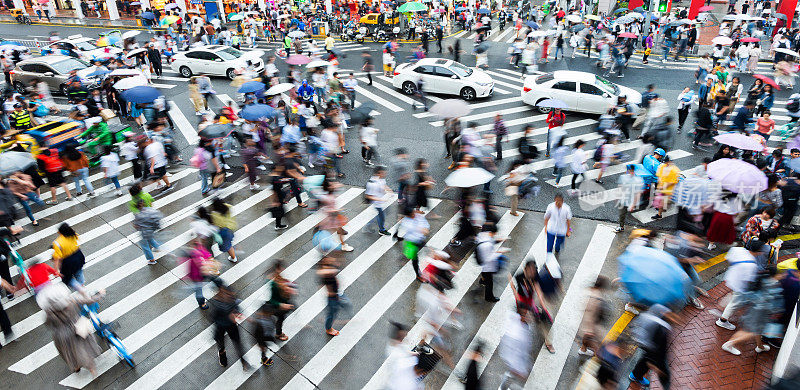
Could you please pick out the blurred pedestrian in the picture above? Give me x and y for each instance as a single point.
(226, 314)
(595, 314)
(147, 221)
(516, 346)
(651, 333)
(764, 303)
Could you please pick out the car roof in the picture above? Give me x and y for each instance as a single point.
(49, 59)
(435, 61)
(573, 75)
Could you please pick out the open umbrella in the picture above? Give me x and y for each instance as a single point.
(694, 192)
(360, 114)
(235, 17)
(736, 17)
(251, 87)
(126, 72)
(553, 103)
(169, 19)
(722, 40)
(750, 39)
(148, 15)
(258, 112)
(141, 94)
(532, 25)
(538, 34)
(685, 21)
(767, 80)
(574, 18)
(461, 9)
(413, 6)
(130, 34)
(451, 108)
(216, 130)
(625, 19)
(12, 46)
(786, 51)
(627, 35)
(136, 3)
(483, 28)
(136, 52)
(592, 17)
(652, 276)
(468, 177)
(11, 162)
(577, 28)
(298, 59)
(739, 141)
(317, 64)
(738, 176)
(171, 6)
(279, 88)
(296, 34)
(706, 8)
(99, 72)
(130, 82)
(482, 48)
(483, 11)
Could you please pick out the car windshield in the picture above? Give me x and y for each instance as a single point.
(65, 66)
(606, 85)
(229, 53)
(84, 46)
(460, 70)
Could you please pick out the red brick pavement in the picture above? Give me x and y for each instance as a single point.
(698, 362)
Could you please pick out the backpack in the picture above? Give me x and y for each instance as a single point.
(198, 159)
(598, 152)
(793, 105)
(41, 110)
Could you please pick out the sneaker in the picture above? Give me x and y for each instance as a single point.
(223, 359)
(384, 232)
(281, 227)
(232, 259)
(574, 193)
(587, 352)
(226, 166)
(630, 309)
(712, 246)
(310, 165)
(254, 187)
(725, 324)
(728, 347)
(619, 229)
(204, 306)
(152, 262)
(643, 381)
(696, 303)
(369, 164)
(347, 248)
(118, 192)
(765, 349)
(265, 361)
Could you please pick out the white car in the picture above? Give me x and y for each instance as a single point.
(216, 60)
(81, 47)
(581, 91)
(443, 76)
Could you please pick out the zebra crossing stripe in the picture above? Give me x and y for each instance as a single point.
(619, 168)
(503, 35)
(518, 79)
(389, 91)
(377, 99)
(476, 106)
(491, 330)
(463, 280)
(549, 366)
(187, 130)
(469, 118)
(427, 96)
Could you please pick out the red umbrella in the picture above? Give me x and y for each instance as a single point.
(298, 59)
(767, 80)
(750, 39)
(627, 35)
(706, 8)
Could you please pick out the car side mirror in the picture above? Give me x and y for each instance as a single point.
(454, 77)
(606, 95)
(218, 59)
(48, 74)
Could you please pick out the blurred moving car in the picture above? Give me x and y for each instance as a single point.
(581, 91)
(53, 70)
(443, 76)
(81, 47)
(217, 60)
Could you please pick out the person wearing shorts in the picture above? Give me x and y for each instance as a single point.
(156, 161)
(49, 163)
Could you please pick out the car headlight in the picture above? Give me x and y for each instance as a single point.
(484, 84)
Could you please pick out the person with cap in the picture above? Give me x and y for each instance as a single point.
(651, 332)
(20, 118)
(76, 92)
(630, 189)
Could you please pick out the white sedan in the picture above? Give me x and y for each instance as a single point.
(216, 60)
(581, 91)
(443, 76)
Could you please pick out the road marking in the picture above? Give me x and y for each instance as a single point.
(390, 91)
(618, 168)
(507, 85)
(549, 366)
(427, 95)
(473, 117)
(158, 325)
(503, 35)
(377, 99)
(492, 328)
(501, 91)
(472, 36)
(463, 280)
(171, 78)
(517, 79)
(189, 132)
(474, 106)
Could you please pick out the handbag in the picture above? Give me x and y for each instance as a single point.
(218, 179)
(83, 327)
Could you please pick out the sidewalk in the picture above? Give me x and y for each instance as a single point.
(73, 21)
(698, 362)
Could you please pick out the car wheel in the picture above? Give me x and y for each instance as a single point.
(377, 37)
(343, 37)
(19, 87)
(467, 94)
(360, 40)
(409, 88)
(231, 74)
(185, 71)
(63, 89)
(543, 110)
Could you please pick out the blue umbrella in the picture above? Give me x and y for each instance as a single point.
(461, 9)
(653, 276)
(148, 15)
(620, 10)
(141, 94)
(258, 112)
(532, 25)
(484, 11)
(99, 72)
(12, 46)
(252, 87)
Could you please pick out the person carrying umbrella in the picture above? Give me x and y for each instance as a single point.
(652, 332)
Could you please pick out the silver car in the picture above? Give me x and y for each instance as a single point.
(53, 70)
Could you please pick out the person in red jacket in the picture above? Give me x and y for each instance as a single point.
(51, 165)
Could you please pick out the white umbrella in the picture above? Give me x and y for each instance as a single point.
(787, 51)
(135, 52)
(722, 40)
(574, 18)
(451, 108)
(284, 16)
(130, 82)
(126, 72)
(317, 64)
(635, 15)
(468, 177)
(539, 34)
(296, 34)
(130, 34)
(279, 88)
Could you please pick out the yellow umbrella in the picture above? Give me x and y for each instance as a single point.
(103, 42)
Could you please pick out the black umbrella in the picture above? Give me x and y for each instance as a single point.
(360, 115)
(482, 47)
(578, 27)
(483, 28)
(216, 130)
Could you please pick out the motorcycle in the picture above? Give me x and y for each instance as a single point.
(352, 34)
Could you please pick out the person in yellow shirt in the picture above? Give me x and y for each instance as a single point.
(668, 175)
(68, 258)
(222, 218)
(329, 42)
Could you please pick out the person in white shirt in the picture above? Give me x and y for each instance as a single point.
(350, 85)
(369, 142)
(376, 192)
(515, 348)
(156, 162)
(109, 162)
(270, 69)
(489, 252)
(557, 222)
(130, 152)
(742, 269)
(577, 165)
(401, 362)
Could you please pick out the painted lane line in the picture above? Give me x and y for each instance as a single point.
(618, 168)
(158, 325)
(475, 106)
(463, 281)
(492, 329)
(549, 366)
(470, 118)
(377, 99)
(187, 130)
